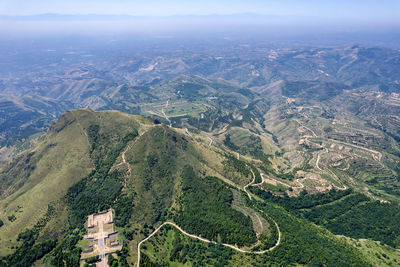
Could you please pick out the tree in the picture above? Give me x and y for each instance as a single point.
(111, 261)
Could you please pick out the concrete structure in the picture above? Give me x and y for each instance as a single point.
(102, 238)
(104, 217)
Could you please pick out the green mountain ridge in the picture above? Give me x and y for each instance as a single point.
(149, 174)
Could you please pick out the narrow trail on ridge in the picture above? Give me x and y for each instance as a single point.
(125, 162)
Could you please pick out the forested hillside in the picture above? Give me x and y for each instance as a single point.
(151, 174)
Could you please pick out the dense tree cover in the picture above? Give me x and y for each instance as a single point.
(146, 262)
(390, 185)
(66, 253)
(305, 243)
(375, 220)
(157, 161)
(199, 254)
(93, 259)
(106, 147)
(242, 167)
(239, 165)
(324, 213)
(304, 200)
(252, 146)
(92, 194)
(123, 255)
(228, 143)
(184, 250)
(345, 213)
(256, 174)
(93, 134)
(206, 211)
(301, 243)
(30, 249)
(99, 190)
(123, 210)
(28, 252)
(111, 261)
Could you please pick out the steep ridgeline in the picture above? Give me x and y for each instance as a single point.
(36, 188)
(88, 162)
(151, 175)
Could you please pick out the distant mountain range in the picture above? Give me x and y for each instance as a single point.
(219, 152)
(242, 16)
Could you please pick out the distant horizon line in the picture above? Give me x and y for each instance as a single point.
(235, 18)
(159, 16)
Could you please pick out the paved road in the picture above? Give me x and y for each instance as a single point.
(102, 255)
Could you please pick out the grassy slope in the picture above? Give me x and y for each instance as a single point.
(66, 155)
(156, 157)
(375, 252)
(302, 243)
(57, 169)
(59, 161)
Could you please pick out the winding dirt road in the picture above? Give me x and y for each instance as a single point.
(165, 115)
(206, 240)
(188, 133)
(213, 242)
(376, 155)
(124, 160)
(127, 164)
(317, 162)
(252, 183)
(297, 181)
(211, 141)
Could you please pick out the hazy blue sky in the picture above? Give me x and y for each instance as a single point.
(387, 10)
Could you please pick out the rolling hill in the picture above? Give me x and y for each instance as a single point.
(150, 174)
(235, 153)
